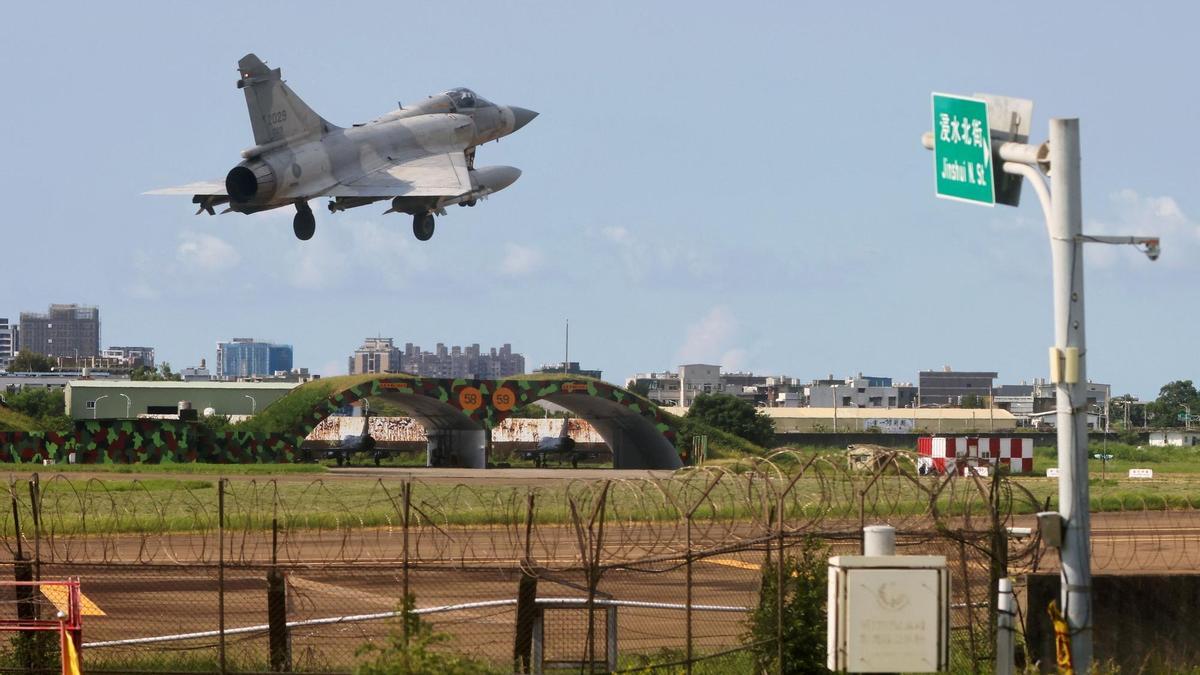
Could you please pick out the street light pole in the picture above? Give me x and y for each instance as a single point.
(253, 403)
(128, 404)
(96, 405)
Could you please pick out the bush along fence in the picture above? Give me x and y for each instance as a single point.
(145, 441)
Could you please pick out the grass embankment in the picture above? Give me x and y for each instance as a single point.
(11, 420)
(289, 413)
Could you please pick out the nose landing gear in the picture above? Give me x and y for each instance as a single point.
(305, 223)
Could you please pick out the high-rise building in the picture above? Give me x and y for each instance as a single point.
(247, 357)
(465, 362)
(8, 342)
(376, 355)
(63, 331)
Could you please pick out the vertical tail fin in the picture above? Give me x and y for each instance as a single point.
(276, 113)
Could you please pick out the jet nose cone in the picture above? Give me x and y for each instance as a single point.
(521, 116)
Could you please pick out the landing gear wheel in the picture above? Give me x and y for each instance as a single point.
(423, 226)
(305, 223)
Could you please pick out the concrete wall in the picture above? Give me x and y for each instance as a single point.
(903, 441)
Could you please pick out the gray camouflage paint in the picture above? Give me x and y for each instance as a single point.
(420, 156)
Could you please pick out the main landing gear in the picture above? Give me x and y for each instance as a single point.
(422, 225)
(305, 223)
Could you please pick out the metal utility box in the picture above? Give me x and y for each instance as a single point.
(888, 614)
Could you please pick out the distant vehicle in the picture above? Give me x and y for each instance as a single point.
(420, 157)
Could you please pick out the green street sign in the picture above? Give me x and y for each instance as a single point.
(962, 149)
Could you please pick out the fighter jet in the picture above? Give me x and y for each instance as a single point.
(421, 157)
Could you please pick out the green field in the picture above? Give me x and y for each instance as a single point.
(183, 497)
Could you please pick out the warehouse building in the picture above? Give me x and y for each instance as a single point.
(885, 420)
(123, 399)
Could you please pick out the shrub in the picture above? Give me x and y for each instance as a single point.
(416, 656)
(804, 595)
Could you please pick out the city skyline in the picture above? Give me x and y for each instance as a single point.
(444, 349)
(638, 215)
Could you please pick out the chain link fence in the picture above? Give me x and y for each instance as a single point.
(641, 574)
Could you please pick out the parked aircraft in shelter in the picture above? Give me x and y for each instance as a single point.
(421, 157)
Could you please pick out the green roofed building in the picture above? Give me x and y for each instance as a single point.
(118, 399)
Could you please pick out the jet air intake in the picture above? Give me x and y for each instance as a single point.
(250, 182)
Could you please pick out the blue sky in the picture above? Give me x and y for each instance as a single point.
(739, 184)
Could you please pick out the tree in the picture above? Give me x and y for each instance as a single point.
(971, 401)
(164, 372)
(144, 373)
(639, 387)
(47, 407)
(732, 414)
(28, 362)
(1174, 399)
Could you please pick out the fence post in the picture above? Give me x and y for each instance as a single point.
(589, 552)
(404, 519)
(526, 599)
(221, 574)
(23, 572)
(998, 566)
(539, 643)
(688, 582)
(279, 641)
(1004, 632)
(691, 513)
(35, 493)
(611, 625)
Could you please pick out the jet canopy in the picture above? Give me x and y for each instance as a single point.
(462, 98)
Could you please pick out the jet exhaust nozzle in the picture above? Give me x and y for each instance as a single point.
(250, 182)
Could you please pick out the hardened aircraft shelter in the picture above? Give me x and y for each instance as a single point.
(459, 414)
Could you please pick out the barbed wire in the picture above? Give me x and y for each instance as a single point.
(346, 521)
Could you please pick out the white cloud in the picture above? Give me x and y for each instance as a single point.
(709, 340)
(616, 234)
(354, 254)
(206, 253)
(520, 260)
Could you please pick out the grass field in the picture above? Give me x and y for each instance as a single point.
(181, 498)
(184, 497)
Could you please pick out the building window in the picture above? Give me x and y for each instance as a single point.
(90, 405)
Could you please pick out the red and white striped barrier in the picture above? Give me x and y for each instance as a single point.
(954, 454)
